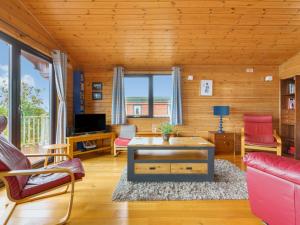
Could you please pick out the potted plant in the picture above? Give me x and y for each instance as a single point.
(166, 130)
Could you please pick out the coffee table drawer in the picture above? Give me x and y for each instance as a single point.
(188, 168)
(152, 168)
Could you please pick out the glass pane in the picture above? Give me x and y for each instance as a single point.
(35, 103)
(5, 51)
(162, 92)
(136, 96)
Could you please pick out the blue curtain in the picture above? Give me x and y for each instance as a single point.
(118, 98)
(176, 102)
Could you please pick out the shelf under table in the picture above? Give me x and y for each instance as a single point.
(170, 154)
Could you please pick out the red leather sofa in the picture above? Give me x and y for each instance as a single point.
(274, 187)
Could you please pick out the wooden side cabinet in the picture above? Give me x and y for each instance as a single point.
(224, 142)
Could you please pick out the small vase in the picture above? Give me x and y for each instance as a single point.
(166, 137)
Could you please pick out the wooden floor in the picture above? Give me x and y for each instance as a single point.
(93, 203)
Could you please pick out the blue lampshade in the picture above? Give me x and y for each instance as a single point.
(221, 110)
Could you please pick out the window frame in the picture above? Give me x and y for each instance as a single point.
(15, 87)
(150, 93)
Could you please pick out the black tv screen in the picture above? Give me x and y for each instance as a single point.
(85, 123)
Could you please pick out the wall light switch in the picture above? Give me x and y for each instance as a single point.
(269, 78)
(249, 70)
(190, 77)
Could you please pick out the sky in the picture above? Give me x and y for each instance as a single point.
(29, 75)
(138, 86)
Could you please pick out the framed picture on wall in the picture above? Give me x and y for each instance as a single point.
(97, 86)
(206, 88)
(291, 103)
(97, 95)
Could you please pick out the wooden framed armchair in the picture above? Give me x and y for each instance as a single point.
(127, 132)
(24, 184)
(258, 134)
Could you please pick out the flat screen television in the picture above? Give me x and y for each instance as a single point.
(86, 123)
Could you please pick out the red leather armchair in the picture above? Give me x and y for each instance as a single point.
(258, 134)
(274, 188)
(24, 184)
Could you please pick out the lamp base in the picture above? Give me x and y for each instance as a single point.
(220, 131)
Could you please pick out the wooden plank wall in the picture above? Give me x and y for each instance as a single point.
(243, 92)
(17, 22)
(291, 67)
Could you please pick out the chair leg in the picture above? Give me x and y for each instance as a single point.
(115, 151)
(8, 212)
(70, 206)
(279, 151)
(62, 221)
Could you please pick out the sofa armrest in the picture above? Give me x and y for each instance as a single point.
(276, 136)
(282, 167)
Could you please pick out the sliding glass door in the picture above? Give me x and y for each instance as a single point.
(27, 94)
(35, 102)
(5, 65)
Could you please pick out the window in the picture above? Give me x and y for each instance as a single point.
(137, 93)
(27, 94)
(35, 102)
(148, 95)
(162, 92)
(137, 110)
(5, 52)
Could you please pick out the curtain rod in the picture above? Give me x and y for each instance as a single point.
(147, 72)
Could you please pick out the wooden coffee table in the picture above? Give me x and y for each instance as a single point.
(180, 159)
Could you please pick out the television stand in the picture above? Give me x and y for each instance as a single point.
(104, 142)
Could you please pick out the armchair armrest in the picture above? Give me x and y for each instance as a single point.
(276, 136)
(47, 155)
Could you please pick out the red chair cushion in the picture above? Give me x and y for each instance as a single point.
(282, 167)
(122, 141)
(12, 158)
(258, 129)
(43, 182)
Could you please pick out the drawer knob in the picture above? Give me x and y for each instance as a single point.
(152, 168)
(189, 168)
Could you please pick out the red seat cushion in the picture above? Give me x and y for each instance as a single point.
(122, 141)
(44, 182)
(271, 145)
(282, 167)
(258, 129)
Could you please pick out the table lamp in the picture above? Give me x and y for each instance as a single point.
(221, 111)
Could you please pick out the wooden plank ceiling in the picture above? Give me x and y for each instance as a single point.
(162, 33)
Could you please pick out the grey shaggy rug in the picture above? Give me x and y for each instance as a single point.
(229, 183)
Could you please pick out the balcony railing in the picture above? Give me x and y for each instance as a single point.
(35, 130)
